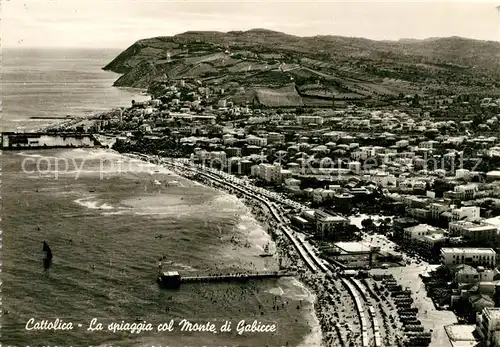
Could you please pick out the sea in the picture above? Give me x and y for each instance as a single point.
(41, 86)
(109, 219)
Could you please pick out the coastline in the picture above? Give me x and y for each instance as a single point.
(315, 337)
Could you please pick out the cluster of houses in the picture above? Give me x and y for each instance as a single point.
(349, 151)
(336, 157)
(475, 283)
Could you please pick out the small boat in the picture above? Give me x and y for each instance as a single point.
(47, 261)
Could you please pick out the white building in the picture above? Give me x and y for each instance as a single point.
(465, 212)
(326, 222)
(292, 182)
(402, 143)
(462, 173)
(218, 157)
(466, 191)
(469, 256)
(270, 172)
(488, 326)
(478, 233)
(363, 153)
(418, 232)
(428, 144)
(304, 120)
(275, 138)
(256, 141)
(354, 167)
(384, 179)
(227, 139)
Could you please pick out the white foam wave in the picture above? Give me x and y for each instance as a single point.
(180, 266)
(276, 291)
(113, 213)
(22, 154)
(315, 337)
(93, 204)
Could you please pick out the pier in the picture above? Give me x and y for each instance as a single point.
(44, 140)
(173, 279)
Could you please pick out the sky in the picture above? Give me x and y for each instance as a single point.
(119, 23)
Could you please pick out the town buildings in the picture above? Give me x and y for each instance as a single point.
(469, 256)
(488, 326)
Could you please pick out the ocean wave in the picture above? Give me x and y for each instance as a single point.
(315, 337)
(278, 291)
(46, 120)
(180, 266)
(23, 154)
(298, 291)
(113, 213)
(93, 204)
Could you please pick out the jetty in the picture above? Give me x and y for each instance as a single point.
(172, 279)
(45, 140)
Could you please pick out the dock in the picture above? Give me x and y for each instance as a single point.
(173, 279)
(45, 140)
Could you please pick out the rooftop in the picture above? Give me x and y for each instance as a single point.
(495, 221)
(170, 273)
(435, 237)
(352, 247)
(461, 335)
(487, 251)
(492, 312)
(481, 227)
(420, 228)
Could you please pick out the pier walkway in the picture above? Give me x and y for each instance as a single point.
(236, 277)
(45, 140)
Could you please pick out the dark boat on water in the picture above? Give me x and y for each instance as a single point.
(47, 261)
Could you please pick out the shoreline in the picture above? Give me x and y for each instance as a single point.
(315, 337)
(296, 287)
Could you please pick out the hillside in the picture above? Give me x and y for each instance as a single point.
(336, 66)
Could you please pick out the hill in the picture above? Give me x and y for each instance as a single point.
(336, 65)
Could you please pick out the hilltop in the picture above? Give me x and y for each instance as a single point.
(319, 68)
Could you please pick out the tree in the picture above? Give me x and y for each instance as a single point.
(367, 224)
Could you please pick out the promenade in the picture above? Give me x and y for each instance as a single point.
(357, 315)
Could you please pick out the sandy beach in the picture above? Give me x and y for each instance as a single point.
(288, 255)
